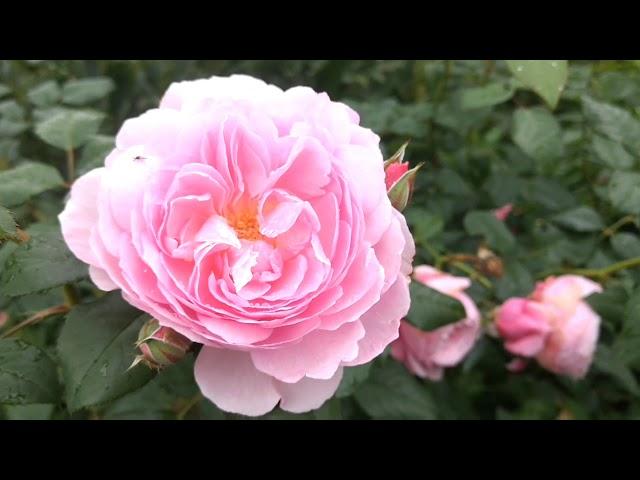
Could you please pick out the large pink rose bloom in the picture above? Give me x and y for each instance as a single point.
(554, 325)
(427, 354)
(254, 221)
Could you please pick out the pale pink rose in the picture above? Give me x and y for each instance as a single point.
(503, 212)
(427, 354)
(4, 317)
(254, 221)
(555, 325)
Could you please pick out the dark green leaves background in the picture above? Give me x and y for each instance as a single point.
(559, 140)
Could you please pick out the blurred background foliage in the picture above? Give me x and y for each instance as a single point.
(561, 144)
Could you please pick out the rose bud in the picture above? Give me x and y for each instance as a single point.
(427, 354)
(490, 263)
(401, 190)
(4, 317)
(503, 212)
(554, 325)
(399, 179)
(160, 346)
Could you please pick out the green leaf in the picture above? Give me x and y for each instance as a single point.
(424, 224)
(44, 95)
(330, 410)
(69, 129)
(627, 345)
(4, 90)
(516, 281)
(624, 191)
(486, 96)
(96, 347)
(626, 245)
(27, 374)
(548, 193)
(157, 400)
(352, 378)
(580, 219)
(10, 110)
(94, 153)
(11, 128)
(610, 303)
(86, 90)
(391, 393)
(614, 122)
(7, 224)
(42, 263)
(538, 134)
(612, 153)
(545, 77)
(493, 230)
(431, 309)
(609, 362)
(36, 411)
(27, 180)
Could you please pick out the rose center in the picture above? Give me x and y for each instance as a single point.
(246, 225)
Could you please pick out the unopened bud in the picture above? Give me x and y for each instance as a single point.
(503, 212)
(401, 190)
(160, 346)
(397, 157)
(490, 263)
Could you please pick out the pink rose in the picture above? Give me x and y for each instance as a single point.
(426, 354)
(503, 212)
(254, 221)
(554, 325)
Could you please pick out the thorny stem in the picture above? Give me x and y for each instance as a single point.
(38, 317)
(70, 295)
(611, 230)
(599, 273)
(441, 260)
(188, 406)
(71, 163)
(473, 273)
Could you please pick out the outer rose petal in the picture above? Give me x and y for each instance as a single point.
(570, 349)
(307, 394)
(381, 323)
(318, 355)
(81, 215)
(102, 279)
(524, 324)
(229, 379)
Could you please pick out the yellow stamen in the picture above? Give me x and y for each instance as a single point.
(246, 225)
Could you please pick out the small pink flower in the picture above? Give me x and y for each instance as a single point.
(256, 222)
(554, 325)
(503, 212)
(4, 317)
(427, 354)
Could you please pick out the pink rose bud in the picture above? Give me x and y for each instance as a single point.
(160, 346)
(503, 212)
(427, 354)
(554, 325)
(4, 317)
(399, 179)
(394, 172)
